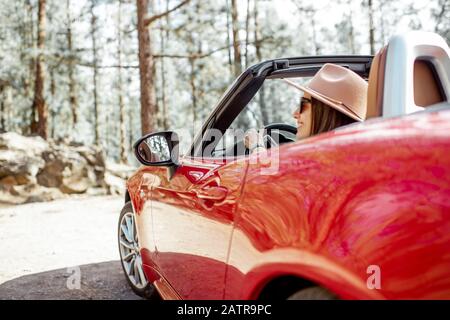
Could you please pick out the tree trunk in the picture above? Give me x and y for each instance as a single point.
(382, 23)
(130, 127)
(351, 33)
(2, 109)
(7, 102)
(39, 125)
(314, 33)
(371, 28)
(146, 67)
(230, 62)
(156, 116)
(256, 32)
(71, 67)
(236, 44)
(193, 90)
(262, 103)
(52, 110)
(95, 71)
(243, 120)
(146, 63)
(247, 26)
(163, 35)
(191, 48)
(123, 133)
(28, 37)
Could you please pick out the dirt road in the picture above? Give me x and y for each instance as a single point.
(44, 244)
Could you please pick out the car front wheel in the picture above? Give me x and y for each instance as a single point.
(130, 256)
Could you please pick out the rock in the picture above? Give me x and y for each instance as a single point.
(32, 169)
(120, 170)
(17, 168)
(116, 175)
(19, 162)
(92, 154)
(72, 170)
(8, 180)
(20, 157)
(115, 184)
(9, 196)
(18, 180)
(28, 193)
(96, 191)
(94, 157)
(40, 194)
(16, 142)
(67, 170)
(52, 173)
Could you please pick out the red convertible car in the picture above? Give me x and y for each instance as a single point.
(360, 212)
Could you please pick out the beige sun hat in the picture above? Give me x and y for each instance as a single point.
(340, 88)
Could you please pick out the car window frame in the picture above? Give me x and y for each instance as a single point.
(247, 85)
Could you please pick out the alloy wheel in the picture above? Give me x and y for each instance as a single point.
(129, 251)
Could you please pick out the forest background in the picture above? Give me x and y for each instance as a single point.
(104, 72)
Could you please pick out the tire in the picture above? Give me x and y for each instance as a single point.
(313, 293)
(130, 257)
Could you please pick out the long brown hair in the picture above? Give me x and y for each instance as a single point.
(325, 118)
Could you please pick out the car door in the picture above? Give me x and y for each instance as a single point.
(193, 214)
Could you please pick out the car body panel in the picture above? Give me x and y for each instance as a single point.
(339, 203)
(370, 194)
(192, 234)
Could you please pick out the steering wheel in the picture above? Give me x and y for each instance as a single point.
(278, 132)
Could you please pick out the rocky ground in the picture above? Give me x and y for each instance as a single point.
(34, 170)
(44, 244)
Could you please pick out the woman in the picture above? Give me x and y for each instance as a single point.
(335, 96)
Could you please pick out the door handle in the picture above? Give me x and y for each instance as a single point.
(213, 193)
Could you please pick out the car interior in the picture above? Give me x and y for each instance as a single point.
(279, 125)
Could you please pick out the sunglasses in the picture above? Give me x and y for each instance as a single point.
(303, 101)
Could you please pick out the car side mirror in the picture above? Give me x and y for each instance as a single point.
(158, 149)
